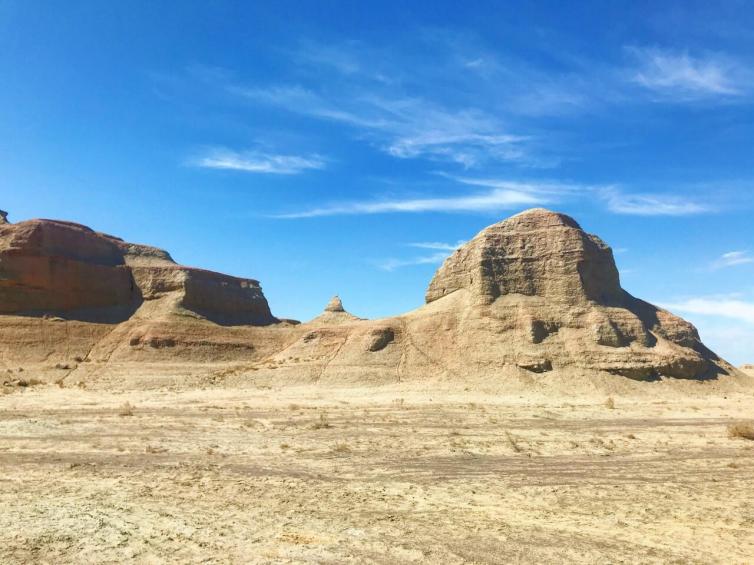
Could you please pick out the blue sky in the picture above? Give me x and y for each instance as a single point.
(347, 147)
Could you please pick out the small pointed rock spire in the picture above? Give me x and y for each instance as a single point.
(335, 305)
(4, 217)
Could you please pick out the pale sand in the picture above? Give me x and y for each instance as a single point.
(372, 476)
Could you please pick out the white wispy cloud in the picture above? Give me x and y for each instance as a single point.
(621, 202)
(404, 127)
(732, 258)
(392, 263)
(682, 76)
(488, 201)
(733, 340)
(552, 189)
(726, 307)
(258, 162)
(438, 245)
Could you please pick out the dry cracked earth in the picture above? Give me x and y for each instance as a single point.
(365, 475)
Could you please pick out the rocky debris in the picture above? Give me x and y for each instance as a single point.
(535, 365)
(379, 338)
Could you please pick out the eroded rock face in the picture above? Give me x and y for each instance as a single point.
(535, 253)
(334, 313)
(53, 266)
(533, 297)
(335, 305)
(552, 293)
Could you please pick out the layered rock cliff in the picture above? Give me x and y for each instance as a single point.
(61, 268)
(531, 296)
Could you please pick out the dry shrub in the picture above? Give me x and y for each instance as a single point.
(513, 442)
(743, 430)
(341, 448)
(610, 403)
(126, 409)
(324, 422)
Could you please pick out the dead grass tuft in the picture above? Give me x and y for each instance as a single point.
(512, 441)
(323, 423)
(126, 409)
(743, 430)
(341, 448)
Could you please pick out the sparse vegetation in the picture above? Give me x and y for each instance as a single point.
(126, 409)
(743, 430)
(341, 448)
(512, 441)
(610, 403)
(323, 423)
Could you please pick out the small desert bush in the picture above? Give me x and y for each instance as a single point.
(743, 430)
(341, 448)
(610, 403)
(126, 409)
(323, 423)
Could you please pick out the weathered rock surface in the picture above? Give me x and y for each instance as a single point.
(532, 298)
(535, 253)
(53, 267)
(335, 305)
(334, 313)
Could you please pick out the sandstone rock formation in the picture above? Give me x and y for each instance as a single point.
(334, 313)
(533, 295)
(62, 268)
(335, 305)
(553, 291)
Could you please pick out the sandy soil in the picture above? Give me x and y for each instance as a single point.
(371, 476)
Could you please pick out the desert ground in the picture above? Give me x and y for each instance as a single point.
(373, 475)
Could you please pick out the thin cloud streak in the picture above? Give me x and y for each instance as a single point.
(539, 187)
(652, 204)
(490, 201)
(732, 259)
(393, 264)
(502, 194)
(256, 162)
(404, 127)
(715, 306)
(438, 245)
(681, 76)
